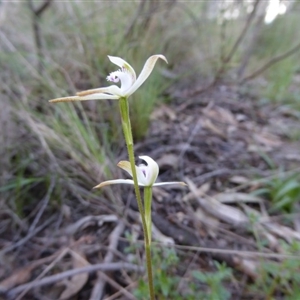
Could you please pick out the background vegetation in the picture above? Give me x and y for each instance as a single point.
(51, 155)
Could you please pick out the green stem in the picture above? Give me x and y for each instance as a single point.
(149, 271)
(147, 204)
(126, 125)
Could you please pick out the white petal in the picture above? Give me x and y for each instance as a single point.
(115, 181)
(126, 166)
(170, 183)
(147, 69)
(112, 89)
(152, 170)
(141, 177)
(123, 64)
(99, 96)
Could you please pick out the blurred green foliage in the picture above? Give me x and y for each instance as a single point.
(280, 278)
(283, 191)
(196, 285)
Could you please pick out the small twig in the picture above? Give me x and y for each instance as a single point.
(257, 27)
(64, 73)
(118, 293)
(133, 23)
(15, 218)
(73, 228)
(113, 243)
(57, 277)
(38, 11)
(250, 254)
(228, 58)
(45, 202)
(190, 140)
(242, 34)
(146, 11)
(58, 257)
(243, 253)
(36, 15)
(271, 62)
(188, 144)
(122, 290)
(12, 48)
(28, 236)
(218, 172)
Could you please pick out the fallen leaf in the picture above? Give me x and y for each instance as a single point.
(22, 275)
(237, 197)
(267, 139)
(221, 115)
(239, 179)
(18, 277)
(212, 223)
(77, 282)
(208, 124)
(282, 231)
(221, 211)
(246, 266)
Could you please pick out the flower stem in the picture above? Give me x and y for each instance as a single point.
(126, 125)
(149, 271)
(147, 204)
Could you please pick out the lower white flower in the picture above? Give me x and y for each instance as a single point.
(146, 174)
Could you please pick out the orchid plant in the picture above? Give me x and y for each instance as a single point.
(143, 175)
(146, 175)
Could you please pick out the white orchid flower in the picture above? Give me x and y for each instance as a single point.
(146, 174)
(126, 75)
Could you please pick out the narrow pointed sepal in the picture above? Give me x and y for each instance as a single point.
(147, 70)
(115, 181)
(170, 183)
(112, 89)
(65, 99)
(99, 96)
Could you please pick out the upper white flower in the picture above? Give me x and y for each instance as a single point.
(146, 174)
(125, 75)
